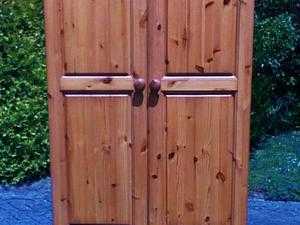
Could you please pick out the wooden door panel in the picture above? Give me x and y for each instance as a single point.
(199, 159)
(99, 158)
(201, 36)
(97, 66)
(97, 36)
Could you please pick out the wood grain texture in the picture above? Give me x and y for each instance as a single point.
(196, 37)
(97, 35)
(99, 142)
(181, 159)
(243, 107)
(183, 84)
(199, 164)
(225, 51)
(178, 34)
(157, 203)
(201, 36)
(55, 69)
(92, 66)
(93, 83)
(140, 146)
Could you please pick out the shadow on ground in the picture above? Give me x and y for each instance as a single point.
(31, 205)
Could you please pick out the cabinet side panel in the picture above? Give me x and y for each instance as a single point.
(243, 107)
(55, 69)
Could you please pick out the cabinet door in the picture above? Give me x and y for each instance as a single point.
(97, 61)
(199, 106)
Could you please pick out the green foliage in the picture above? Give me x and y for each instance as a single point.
(23, 107)
(275, 39)
(276, 85)
(269, 8)
(275, 168)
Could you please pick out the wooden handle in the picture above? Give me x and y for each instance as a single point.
(155, 86)
(139, 85)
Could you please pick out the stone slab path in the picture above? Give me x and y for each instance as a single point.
(31, 205)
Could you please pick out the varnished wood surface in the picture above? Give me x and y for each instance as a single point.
(140, 146)
(157, 204)
(201, 53)
(183, 84)
(243, 107)
(199, 165)
(97, 35)
(55, 68)
(96, 83)
(201, 36)
(99, 140)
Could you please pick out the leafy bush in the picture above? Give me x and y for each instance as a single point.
(275, 168)
(276, 86)
(23, 102)
(269, 8)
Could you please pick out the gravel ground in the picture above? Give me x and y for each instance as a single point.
(31, 205)
(26, 205)
(263, 212)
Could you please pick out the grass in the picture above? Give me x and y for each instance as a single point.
(275, 168)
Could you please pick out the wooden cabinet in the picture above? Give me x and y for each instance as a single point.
(149, 105)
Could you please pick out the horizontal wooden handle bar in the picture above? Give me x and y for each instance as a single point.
(204, 74)
(96, 83)
(97, 74)
(199, 83)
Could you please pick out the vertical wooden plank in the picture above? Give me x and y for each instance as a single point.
(140, 148)
(119, 27)
(243, 103)
(102, 37)
(226, 57)
(218, 36)
(196, 37)
(69, 41)
(181, 173)
(210, 9)
(177, 43)
(83, 20)
(204, 163)
(156, 114)
(224, 171)
(55, 69)
(99, 159)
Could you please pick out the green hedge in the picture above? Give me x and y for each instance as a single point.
(24, 151)
(275, 168)
(276, 83)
